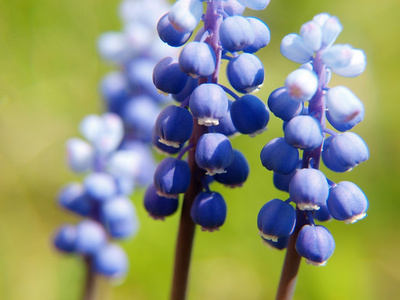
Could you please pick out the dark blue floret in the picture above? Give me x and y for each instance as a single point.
(309, 189)
(249, 115)
(276, 219)
(197, 59)
(65, 239)
(73, 198)
(172, 177)
(245, 73)
(279, 157)
(343, 152)
(168, 77)
(214, 153)
(174, 125)
(315, 243)
(157, 206)
(282, 106)
(169, 34)
(236, 173)
(209, 210)
(347, 202)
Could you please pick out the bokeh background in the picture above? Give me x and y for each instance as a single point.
(49, 74)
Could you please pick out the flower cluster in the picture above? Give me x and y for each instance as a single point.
(304, 103)
(129, 91)
(116, 156)
(206, 116)
(102, 197)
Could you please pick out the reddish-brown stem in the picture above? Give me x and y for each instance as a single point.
(89, 291)
(311, 159)
(291, 265)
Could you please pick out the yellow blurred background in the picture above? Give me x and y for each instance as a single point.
(49, 74)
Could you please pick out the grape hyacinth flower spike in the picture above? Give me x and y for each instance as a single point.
(206, 115)
(102, 197)
(114, 155)
(306, 103)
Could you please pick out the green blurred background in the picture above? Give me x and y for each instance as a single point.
(49, 73)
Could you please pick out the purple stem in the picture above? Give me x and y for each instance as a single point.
(311, 158)
(184, 244)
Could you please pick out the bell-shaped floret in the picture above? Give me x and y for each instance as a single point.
(208, 104)
(111, 261)
(197, 59)
(214, 153)
(279, 157)
(343, 152)
(172, 177)
(356, 66)
(168, 77)
(262, 35)
(209, 210)
(331, 29)
(245, 73)
(322, 214)
(225, 125)
(100, 186)
(157, 206)
(282, 181)
(118, 216)
(133, 162)
(337, 56)
(104, 132)
(73, 197)
(303, 132)
(311, 34)
(139, 115)
(168, 34)
(174, 126)
(301, 84)
(315, 244)
(309, 189)
(65, 238)
(280, 244)
(191, 84)
(139, 73)
(276, 219)
(255, 4)
(347, 202)
(236, 173)
(294, 49)
(162, 148)
(249, 115)
(233, 7)
(236, 33)
(115, 91)
(345, 109)
(184, 15)
(283, 106)
(80, 155)
(114, 47)
(90, 237)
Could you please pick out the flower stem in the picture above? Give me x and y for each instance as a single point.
(89, 291)
(186, 226)
(183, 251)
(311, 159)
(291, 264)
